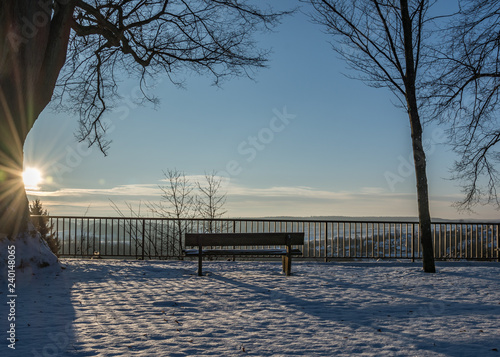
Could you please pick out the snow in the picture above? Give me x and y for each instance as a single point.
(249, 308)
(31, 255)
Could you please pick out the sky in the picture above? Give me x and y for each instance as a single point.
(301, 139)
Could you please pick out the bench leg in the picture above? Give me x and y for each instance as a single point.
(287, 259)
(287, 264)
(200, 261)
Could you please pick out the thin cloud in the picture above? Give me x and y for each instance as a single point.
(136, 190)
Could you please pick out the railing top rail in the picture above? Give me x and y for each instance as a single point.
(291, 220)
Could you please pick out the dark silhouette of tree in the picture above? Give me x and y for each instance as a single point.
(468, 94)
(383, 41)
(210, 201)
(42, 224)
(181, 201)
(86, 46)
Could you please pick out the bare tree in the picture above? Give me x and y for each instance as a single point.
(383, 41)
(177, 202)
(86, 46)
(180, 202)
(468, 98)
(210, 202)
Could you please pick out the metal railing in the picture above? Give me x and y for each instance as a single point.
(162, 238)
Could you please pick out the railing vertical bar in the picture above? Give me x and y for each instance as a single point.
(153, 238)
(343, 239)
(348, 240)
(466, 241)
(384, 240)
(489, 241)
(400, 240)
(413, 241)
(355, 250)
(482, 241)
(475, 249)
(387, 234)
(93, 236)
(455, 244)
(441, 241)
(308, 240)
(100, 235)
(58, 233)
(326, 242)
(130, 237)
(351, 244)
(143, 238)
(87, 238)
(498, 242)
(314, 238)
(68, 243)
(461, 240)
(361, 240)
(447, 242)
(419, 241)
(365, 239)
(106, 237)
(378, 240)
(118, 237)
(471, 249)
(394, 241)
(372, 224)
(81, 237)
(438, 242)
(69, 235)
(63, 227)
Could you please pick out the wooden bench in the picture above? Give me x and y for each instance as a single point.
(227, 243)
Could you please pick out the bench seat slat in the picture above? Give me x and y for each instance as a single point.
(241, 252)
(243, 239)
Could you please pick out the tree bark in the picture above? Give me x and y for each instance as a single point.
(33, 41)
(14, 208)
(424, 215)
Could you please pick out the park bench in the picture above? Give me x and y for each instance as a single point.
(225, 244)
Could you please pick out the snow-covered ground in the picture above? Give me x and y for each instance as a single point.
(158, 308)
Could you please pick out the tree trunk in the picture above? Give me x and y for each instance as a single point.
(33, 43)
(424, 215)
(14, 208)
(410, 79)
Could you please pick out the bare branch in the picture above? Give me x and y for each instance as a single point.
(467, 97)
(114, 39)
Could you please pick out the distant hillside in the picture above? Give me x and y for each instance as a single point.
(375, 219)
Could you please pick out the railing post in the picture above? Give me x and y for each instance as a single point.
(143, 236)
(326, 242)
(498, 244)
(413, 242)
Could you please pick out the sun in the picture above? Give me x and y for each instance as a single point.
(32, 177)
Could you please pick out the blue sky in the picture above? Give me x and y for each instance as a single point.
(300, 140)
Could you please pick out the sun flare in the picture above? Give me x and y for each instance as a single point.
(32, 178)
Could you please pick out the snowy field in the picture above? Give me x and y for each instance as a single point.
(156, 308)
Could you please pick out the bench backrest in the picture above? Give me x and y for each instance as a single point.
(243, 239)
